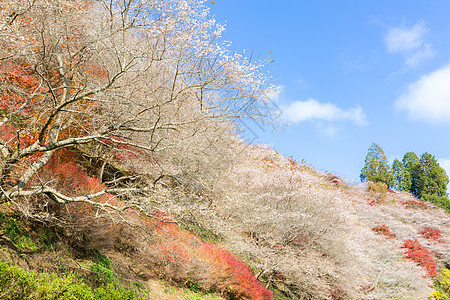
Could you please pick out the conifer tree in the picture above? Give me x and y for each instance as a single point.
(402, 176)
(432, 179)
(411, 163)
(376, 168)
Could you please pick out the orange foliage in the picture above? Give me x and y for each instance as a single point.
(432, 234)
(421, 255)
(382, 229)
(189, 258)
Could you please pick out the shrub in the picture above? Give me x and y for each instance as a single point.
(102, 272)
(442, 201)
(432, 234)
(421, 255)
(204, 266)
(417, 204)
(25, 234)
(16, 283)
(442, 286)
(382, 229)
(237, 279)
(378, 189)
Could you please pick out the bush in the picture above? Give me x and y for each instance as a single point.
(16, 283)
(442, 286)
(421, 255)
(378, 189)
(441, 201)
(432, 234)
(382, 229)
(102, 272)
(417, 204)
(26, 234)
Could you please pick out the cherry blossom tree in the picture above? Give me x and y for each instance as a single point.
(138, 85)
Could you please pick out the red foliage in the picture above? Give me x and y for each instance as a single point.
(68, 176)
(237, 279)
(183, 256)
(432, 234)
(421, 255)
(414, 204)
(382, 229)
(371, 201)
(187, 258)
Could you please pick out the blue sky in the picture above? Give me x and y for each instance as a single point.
(350, 73)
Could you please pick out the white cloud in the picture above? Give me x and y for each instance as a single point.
(410, 42)
(312, 110)
(428, 99)
(422, 54)
(401, 39)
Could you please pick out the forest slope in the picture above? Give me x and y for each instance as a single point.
(120, 164)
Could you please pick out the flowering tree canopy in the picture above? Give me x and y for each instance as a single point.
(116, 80)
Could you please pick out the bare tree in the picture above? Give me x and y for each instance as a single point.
(110, 77)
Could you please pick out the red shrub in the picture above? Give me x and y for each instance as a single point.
(382, 229)
(183, 256)
(237, 279)
(187, 259)
(432, 234)
(414, 204)
(421, 255)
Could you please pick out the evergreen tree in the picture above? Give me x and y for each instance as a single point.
(412, 168)
(376, 168)
(402, 176)
(432, 179)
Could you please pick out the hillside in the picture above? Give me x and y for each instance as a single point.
(123, 174)
(303, 233)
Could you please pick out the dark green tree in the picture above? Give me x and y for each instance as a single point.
(412, 167)
(432, 179)
(376, 167)
(401, 175)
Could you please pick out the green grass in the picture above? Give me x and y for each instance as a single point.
(191, 295)
(26, 235)
(198, 230)
(16, 283)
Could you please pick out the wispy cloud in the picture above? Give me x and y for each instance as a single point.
(313, 110)
(410, 43)
(402, 39)
(421, 55)
(428, 99)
